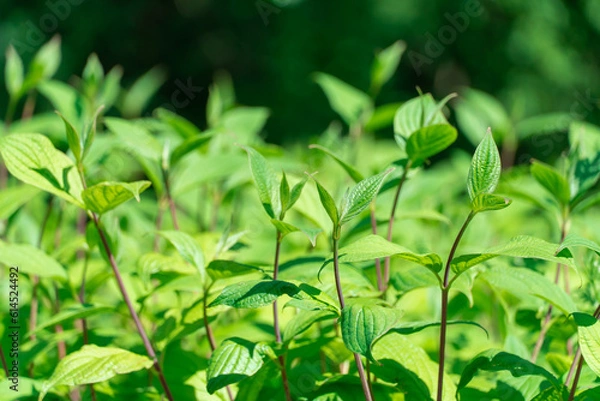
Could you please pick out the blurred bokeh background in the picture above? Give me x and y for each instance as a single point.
(535, 56)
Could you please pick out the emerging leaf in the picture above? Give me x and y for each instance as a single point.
(488, 202)
(359, 197)
(13, 72)
(484, 173)
(385, 64)
(266, 183)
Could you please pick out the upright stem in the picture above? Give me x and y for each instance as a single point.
(209, 333)
(338, 286)
(546, 323)
(386, 273)
(132, 312)
(380, 285)
(29, 106)
(445, 297)
(170, 200)
(284, 377)
(3, 360)
(579, 361)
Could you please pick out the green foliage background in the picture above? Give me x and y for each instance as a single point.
(535, 56)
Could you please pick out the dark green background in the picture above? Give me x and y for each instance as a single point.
(536, 55)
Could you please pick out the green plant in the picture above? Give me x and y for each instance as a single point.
(221, 290)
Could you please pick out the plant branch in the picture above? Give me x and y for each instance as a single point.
(444, 309)
(380, 286)
(4, 365)
(390, 230)
(133, 313)
(170, 200)
(338, 285)
(546, 323)
(277, 328)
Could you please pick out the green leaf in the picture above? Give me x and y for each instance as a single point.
(361, 195)
(234, 360)
(143, 89)
(31, 260)
(266, 183)
(364, 321)
(188, 248)
(352, 172)
(90, 134)
(417, 113)
(105, 196)
(33, 159)
(44, 65)
(521, 246)
(552, 180)
(63, 97)
(484, 173)
(189, 145)
(429, 141)
(373, 247)
(184, 127)
(284, 193)
(111, 87)
(223, 269)
(415, 327)
(13, 73)
(295, 192)
(521, 282)
(245, 123)
(69, 314)
(287, 228)
(588, 329)
(408, 365)
(574, 240)
(93, 73)
(134, 139)
(496, 360)
(255, 293)
(385, 64)
(14, 197)
(73, 138)
(93, 364)
(328, 203)
(304, 320)
(383, 117)
(476, 111)
(350, 103)
(488, 202)
(584, 139)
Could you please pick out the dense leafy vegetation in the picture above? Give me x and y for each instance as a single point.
(246, 271)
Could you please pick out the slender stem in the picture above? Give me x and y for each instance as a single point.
(574, 365)
(158, 224)
(444, 311)
(130, 307)
(209, 333)
(3, 360)
(338, 286)
(579, 361)
(170, 200)
(546, 323)
(377, 261)
(29, 106)
(390, 230)
(277, 328)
